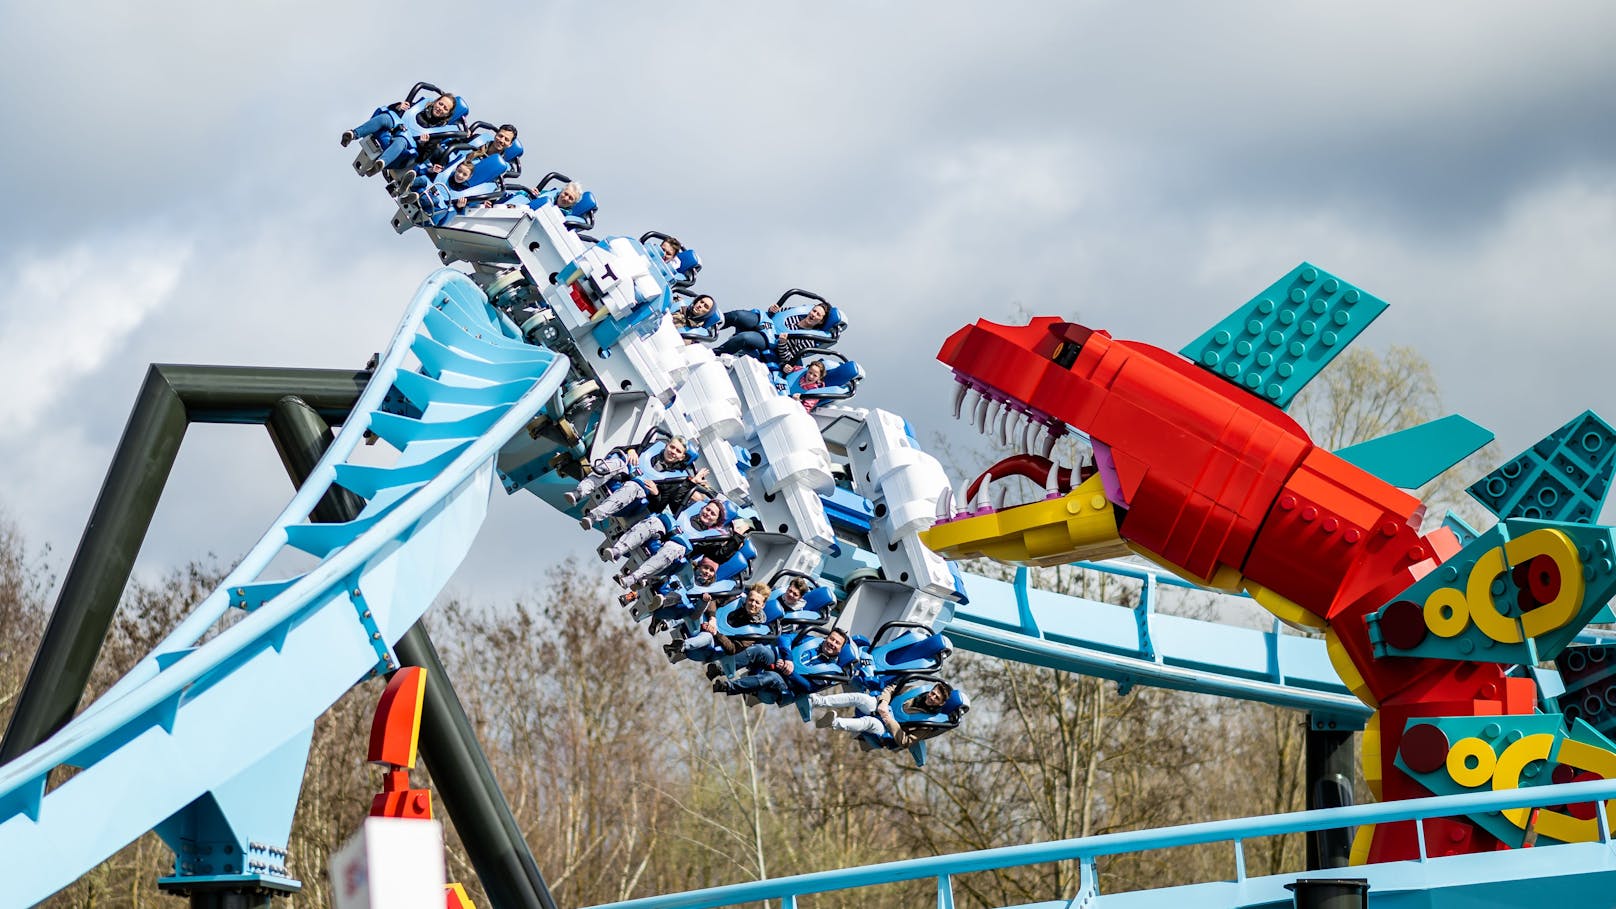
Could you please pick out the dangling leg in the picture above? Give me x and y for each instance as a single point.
(858, 700)
(603, 471)
(638, 535)
(858, 725)
(664, 558)
(624, 496)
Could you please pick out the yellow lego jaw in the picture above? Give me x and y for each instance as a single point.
(1079, 525)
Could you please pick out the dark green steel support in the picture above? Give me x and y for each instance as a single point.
(170, 399)
(297, 406)
(1329, 785)
(301, 436)
(471, 795)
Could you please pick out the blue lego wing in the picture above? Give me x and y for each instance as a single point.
(1279, 340)
(1565, 477)
(1412, 457)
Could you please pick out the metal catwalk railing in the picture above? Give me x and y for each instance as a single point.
(1520, 864)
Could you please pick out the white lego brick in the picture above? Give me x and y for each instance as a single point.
(724, 475)
(709, 397)
(391, 863)
(908, 561)
(794, 510)
(793, 450)
(651, 358)
(788, 439)
(909, 481)
(925, 609)
(778, 552)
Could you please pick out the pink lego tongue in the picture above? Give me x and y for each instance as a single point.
(1107, 467)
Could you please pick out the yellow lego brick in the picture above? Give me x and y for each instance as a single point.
(1079, 525)
(455, 897)
(1287, 610)
(1350, 676)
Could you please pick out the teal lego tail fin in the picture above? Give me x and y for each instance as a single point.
(1415, 456)
(1565, 477)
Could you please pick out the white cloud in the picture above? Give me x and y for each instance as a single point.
(68, 313)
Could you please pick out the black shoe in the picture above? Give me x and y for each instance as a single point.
(672, 650)
(656, 627)
(721, 685)
(714, 670)
(347, 136)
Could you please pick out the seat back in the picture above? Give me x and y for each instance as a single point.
(736, 566)
(814, 608)
(908, 647)
(685, 267)
(841, 379)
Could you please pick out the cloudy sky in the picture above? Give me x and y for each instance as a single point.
(177, 194)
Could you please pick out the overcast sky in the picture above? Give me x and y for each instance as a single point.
(177, 194)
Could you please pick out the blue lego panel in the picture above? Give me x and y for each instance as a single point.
(848, 510)
(1589, 675)
(1565, 477)
(1415, 456)
(1284, 336)
(1461, 529)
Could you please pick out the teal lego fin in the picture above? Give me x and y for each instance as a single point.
(1284, 336)
(1415, 456)
(1565, 477)
(1461, 529)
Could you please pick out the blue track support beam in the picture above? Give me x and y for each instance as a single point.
(1140, 646)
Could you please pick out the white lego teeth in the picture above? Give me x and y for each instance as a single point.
(1029, 434)
(984, 499)
(962, 498)
(945, 503)
(1047, 443)
(1000, 496)
(999, 419)
(962, 394)
(1052, 482)
(980, 416)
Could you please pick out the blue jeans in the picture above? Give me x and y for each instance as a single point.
(700, 646)
(393, 147)
(747, 338)
(765, 680)
(755, 657)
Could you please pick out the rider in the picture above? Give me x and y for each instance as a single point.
(433, 120)
(749, 338)
(873, 715)
(698, 320)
